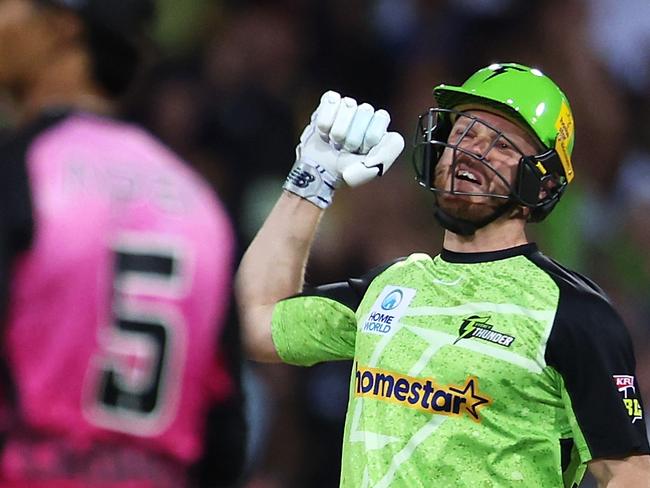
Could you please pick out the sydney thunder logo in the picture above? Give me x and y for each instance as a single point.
(478, 326)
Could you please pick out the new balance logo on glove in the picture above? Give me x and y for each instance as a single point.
(300, 178)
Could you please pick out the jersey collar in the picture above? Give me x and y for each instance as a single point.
(482, 257)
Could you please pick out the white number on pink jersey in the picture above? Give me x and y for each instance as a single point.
(139, 368)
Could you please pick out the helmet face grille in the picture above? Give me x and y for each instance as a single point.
(524, 95)
(539, 181)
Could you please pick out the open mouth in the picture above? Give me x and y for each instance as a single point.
(469, 175)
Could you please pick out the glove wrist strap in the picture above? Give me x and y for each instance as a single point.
(311, 181)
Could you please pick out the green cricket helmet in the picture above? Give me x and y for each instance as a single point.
(525, 96)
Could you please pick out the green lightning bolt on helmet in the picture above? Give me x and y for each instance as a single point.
(527, 97)
(525, 94)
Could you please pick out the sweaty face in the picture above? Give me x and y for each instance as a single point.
(476, 174)
(24, 41)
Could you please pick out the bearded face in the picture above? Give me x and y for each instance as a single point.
(477, 170)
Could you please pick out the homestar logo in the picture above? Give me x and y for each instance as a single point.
(423, 394)
(477, 326)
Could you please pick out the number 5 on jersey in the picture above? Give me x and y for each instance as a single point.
(136, 375)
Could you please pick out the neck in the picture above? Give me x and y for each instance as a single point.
(66, 82)
(503, 233)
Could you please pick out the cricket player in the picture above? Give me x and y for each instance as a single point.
(119, 361)
(488, 365)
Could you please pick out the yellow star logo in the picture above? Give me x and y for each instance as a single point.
(474, 400)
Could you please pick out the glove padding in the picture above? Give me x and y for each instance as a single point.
(349, 141)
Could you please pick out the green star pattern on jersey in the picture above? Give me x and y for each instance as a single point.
(449, 387)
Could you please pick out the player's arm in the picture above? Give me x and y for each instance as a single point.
(591, 349)
(629, 472)
(343, 142)
(273, 268)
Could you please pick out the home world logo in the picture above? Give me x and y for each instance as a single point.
(389, 307)
(392, 300)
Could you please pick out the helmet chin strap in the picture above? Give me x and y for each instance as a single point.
(465, 227)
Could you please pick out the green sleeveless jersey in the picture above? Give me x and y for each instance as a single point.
(484, 370)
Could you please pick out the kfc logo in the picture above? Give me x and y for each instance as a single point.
(624, 383)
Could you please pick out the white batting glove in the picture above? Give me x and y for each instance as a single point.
(343, 142)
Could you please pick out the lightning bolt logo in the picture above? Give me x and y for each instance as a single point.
(468, 326)
(502, 69)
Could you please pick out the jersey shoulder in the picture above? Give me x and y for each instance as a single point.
(19, 139)
(584, 312)
(404, 271)
(16, 212)
(567, 279)
(591, 349)
(579, 296)
(351, 291)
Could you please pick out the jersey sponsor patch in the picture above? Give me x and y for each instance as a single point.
(479, 327)
(422, 394)
(390, 306)
(625, 384)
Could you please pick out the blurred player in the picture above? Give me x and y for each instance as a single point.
(487, 365)
(116, 261)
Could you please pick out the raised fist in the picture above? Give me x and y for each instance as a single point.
(344, 141)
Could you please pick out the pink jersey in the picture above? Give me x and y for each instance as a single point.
(115, 311)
